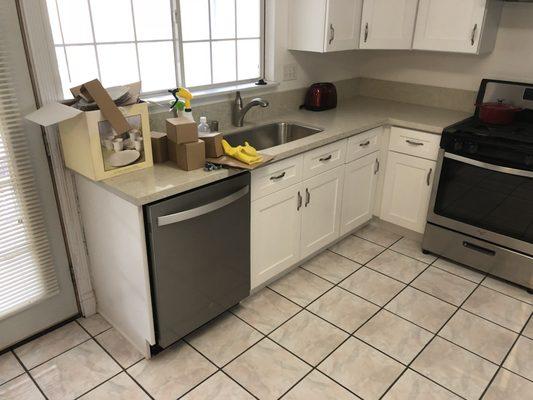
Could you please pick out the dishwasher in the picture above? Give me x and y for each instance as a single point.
(199, 255)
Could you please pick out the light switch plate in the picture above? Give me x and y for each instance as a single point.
(289, 72)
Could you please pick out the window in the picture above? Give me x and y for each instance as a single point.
(214, 42)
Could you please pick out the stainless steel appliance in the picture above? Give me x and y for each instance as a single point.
(481, 207)
(199, 247)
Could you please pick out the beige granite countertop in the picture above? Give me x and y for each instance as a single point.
(353, 116)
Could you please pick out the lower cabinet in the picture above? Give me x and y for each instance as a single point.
(275, 236)
(321, 212)
(407, 190)
(360, 182)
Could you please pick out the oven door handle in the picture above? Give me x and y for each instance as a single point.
(492, 167)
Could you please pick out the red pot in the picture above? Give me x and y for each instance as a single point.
(497, 113)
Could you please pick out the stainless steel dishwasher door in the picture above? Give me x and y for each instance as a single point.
(199, 246)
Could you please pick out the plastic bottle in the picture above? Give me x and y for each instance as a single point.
(203, 127)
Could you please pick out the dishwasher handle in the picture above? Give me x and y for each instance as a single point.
(202, 210)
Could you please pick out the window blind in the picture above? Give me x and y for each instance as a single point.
(27, 273)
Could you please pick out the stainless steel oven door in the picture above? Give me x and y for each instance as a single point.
(486, 201)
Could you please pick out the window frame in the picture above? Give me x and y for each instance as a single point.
(177, 45)
(180, 67)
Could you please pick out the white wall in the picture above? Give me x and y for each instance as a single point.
(512, 58)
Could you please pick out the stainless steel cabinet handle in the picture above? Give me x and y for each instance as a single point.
(324, 159)
(331, 33)
(307, 197)
(376, 169)
(428, 179)
(366, 32)
(299, 201)
(275, 178)
(365, 143)
(202, 210)
(412, 142)
(473, 37)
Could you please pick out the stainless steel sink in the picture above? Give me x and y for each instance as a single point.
(270, 135)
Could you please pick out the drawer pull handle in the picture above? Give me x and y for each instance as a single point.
(307, 197)
(376, 169)
(412, 142)
(473, 37)
(365, 143)
(278, 177)
(479, 249)
(366, 32)
(428, 180)
(331, 34)
(299, 205)
(324, 159)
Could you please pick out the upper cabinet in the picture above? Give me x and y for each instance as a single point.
(461, 26)
(388, 24)
(324, 25)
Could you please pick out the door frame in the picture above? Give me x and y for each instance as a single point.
(46, 82)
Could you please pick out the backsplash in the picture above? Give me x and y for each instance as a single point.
(283, 102)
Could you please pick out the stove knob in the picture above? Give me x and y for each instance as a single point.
(458, 145)
(529, 161)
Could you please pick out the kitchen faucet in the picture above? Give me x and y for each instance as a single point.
(239, 111)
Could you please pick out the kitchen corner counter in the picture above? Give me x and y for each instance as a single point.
(353, 116)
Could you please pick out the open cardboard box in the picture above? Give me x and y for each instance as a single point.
(87, 136)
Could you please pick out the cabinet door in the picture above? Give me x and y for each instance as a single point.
(321, 211)
(360, 180)
(407, 189)
(342, 25)
(388, 24)
(275, 226)
(435, 30)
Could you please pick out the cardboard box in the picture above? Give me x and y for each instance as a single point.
(213, 144)
(88, 138)
(190, 156)
(159, 147)
(94, 89)
(182, 130)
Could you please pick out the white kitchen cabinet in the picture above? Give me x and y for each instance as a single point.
(360, 182)
(388, 24)
(321, 211)
(324, 25)
(461, 26)
(275, 236)
(407, 190)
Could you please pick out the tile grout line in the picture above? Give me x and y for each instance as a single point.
(505, 359)
(431, 341)
(113, 358)
(27, 371)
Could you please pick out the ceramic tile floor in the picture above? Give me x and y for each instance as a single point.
(370, 318)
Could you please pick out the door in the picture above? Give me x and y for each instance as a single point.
(275, 230)
(200, 255)
(342, 24)
(388, 24)
(36, 289)
(407, 190)
(321, 211)
(435, 30)
(360, 180)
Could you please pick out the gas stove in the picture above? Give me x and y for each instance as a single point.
(481, 207)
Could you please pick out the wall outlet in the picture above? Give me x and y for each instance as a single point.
(289, 72)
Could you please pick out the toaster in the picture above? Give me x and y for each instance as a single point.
(320, 97)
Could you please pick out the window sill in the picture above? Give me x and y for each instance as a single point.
(208, 96)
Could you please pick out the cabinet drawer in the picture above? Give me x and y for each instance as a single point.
(363, 144)
(276, 176)
(324, 158)
(415, 143)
